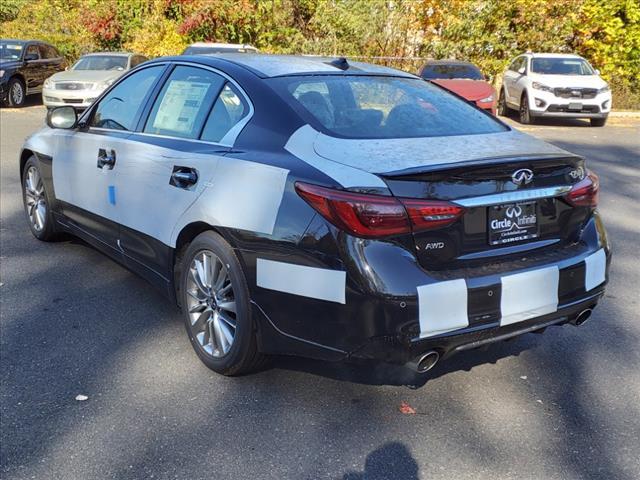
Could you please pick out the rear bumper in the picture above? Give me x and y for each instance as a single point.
(386, 317)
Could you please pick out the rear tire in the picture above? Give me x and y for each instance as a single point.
(598, 122)
(216, 306)
(16, 94)
(503, 109)
(525, 113)
(36, 204)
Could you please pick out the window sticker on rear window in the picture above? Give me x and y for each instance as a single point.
(180, 106)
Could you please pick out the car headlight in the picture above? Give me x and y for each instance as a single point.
(103, 85)
(486, 99)
(48, 83)
(541, 86)
(604, 89)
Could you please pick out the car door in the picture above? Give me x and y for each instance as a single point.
(509, 78)
(86, 161)
(33, 71)
(172, 159)
(52, 61)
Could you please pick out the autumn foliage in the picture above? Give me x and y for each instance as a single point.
(396, 32)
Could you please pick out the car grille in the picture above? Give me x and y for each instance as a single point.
(565, 108)
(72, 100)
(575, 92)
(73, 86)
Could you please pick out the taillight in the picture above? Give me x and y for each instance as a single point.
(585, 193)
(368, 216)
(428, 214)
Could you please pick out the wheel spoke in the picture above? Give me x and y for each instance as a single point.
(227, 335)
(213, 339)
(221, 339)
(222, 277)
(228, 306)
(198, 308)
(195, 276)
(224, 290)
(198, 323)
(227, 319)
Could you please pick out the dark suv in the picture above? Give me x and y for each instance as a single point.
(24, 66)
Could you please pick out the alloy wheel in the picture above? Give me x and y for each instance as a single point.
(17, 93)
(35, 199)
(211, 304)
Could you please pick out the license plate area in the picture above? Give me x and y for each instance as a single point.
(512, 222)
(574, 106)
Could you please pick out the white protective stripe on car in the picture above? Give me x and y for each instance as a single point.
(42, 141)
(397, 154)
(595, 269)
(242, 194)
(442, 307)
(136, 193)
(311, 282)
(529, 294)
(301, 145)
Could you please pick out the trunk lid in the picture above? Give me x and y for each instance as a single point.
(475, 171)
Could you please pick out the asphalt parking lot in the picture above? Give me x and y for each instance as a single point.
(563, 405)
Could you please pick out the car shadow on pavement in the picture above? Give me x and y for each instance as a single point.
(389, 462)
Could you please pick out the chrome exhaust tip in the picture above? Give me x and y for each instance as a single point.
(425, 362)
(583, 316)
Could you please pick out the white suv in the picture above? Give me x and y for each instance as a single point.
(554, 85)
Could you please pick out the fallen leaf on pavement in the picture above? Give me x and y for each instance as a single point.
(407, 409)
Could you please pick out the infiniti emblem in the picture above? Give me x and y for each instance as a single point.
(514, 211)
(522, 176)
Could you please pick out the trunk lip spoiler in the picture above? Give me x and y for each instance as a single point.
(512, 196)
(479, 162)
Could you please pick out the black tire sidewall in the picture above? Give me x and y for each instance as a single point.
(49, 229)
(524, 113)
(10, 101)
(244, 340)
(502, 104)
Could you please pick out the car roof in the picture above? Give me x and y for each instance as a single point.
(552, 55)
(24, 42)
(267, 66)
(448, 62)
(221, 45)
(109, 54)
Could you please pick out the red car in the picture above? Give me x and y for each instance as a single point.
(462, 78)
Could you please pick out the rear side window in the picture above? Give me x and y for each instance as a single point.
(229, 109)
(119, 109)
(361, 106)
(184, 102)
(33, 50)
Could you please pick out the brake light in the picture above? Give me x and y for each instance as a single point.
(370, 216)
(585, 193)
(428, 214)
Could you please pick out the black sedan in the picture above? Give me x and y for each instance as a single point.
(323, 208)
(24, 66)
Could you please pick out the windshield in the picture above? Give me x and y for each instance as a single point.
(561, 66)
(382, 107)
(442, 71)
(101, 62)
(10, 51)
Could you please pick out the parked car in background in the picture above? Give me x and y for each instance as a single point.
(323, 208)
(554, 85)
(87, 78)
(200, 48)
(462, 78)
(24, 66)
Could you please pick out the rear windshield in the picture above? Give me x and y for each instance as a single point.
(382, 107)
(443, 71)
(561, 66)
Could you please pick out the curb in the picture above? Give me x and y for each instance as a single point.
(625, 113)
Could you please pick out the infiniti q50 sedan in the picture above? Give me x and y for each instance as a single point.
(322, 208)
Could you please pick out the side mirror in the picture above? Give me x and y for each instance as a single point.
(62, 117)
(30, 57)
(522, 70)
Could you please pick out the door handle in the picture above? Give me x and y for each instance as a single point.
(184, 177)
(106, 159)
